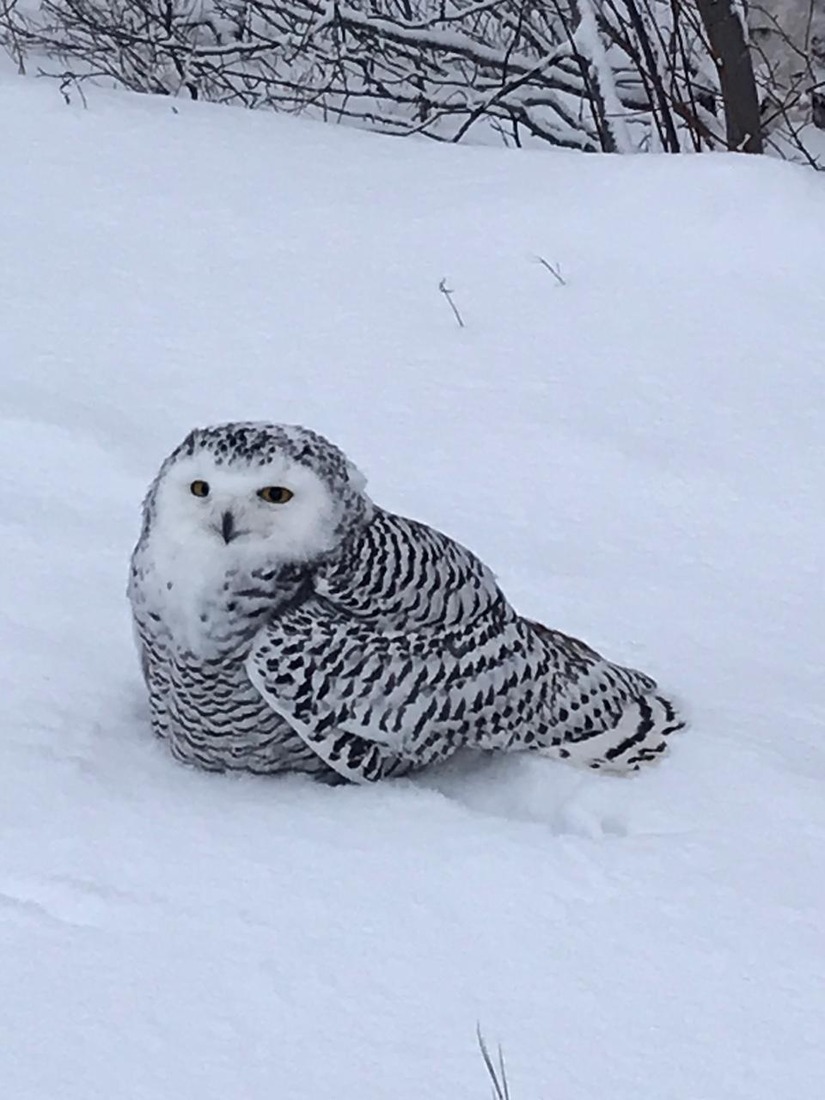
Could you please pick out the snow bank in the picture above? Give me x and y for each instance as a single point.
(638, 453)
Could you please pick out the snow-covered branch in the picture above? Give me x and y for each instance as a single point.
(614, 75)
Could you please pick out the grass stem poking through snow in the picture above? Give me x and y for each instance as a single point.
(498, 1075)
(554, 271)
(448, 294)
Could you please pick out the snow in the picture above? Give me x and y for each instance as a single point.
(639, 455)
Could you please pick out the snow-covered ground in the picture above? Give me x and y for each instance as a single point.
(638, 453)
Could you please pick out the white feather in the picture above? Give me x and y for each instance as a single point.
(188, 561)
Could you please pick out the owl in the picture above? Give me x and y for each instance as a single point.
(285, 622)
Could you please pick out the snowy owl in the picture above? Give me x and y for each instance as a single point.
(285, 622)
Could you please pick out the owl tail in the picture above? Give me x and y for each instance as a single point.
(640, 737)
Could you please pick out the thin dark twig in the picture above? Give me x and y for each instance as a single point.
(448, 294)
(554, 271)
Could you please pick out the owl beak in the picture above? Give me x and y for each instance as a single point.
(228, 527)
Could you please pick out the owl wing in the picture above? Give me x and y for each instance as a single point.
(389, 663)
(410, 698)
(406, 650)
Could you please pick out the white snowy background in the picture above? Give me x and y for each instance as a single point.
(637, 453)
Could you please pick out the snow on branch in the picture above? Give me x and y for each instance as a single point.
(610, 75)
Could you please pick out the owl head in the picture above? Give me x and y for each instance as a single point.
(255, 491)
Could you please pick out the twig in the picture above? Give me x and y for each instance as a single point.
(554, 271)
(67, 81)
(448, 294)
(498, 1074)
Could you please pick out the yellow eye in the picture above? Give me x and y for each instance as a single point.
(275, 494)
(199, 488)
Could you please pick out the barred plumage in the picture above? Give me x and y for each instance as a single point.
(324, 634)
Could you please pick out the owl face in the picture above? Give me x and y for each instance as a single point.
(245, 509)
(232, 508)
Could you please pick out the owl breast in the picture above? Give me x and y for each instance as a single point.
(218, 720)
(212, 717)
(195, 634)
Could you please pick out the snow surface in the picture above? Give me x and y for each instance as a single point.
(638, 453)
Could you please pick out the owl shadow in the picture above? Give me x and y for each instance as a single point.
(524, 787)
(518, 787)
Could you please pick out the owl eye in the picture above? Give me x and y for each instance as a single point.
(199, 488)
(275, 494)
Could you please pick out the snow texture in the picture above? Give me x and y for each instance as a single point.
(638, 453)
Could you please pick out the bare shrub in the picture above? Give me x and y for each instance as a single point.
(610, 75)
